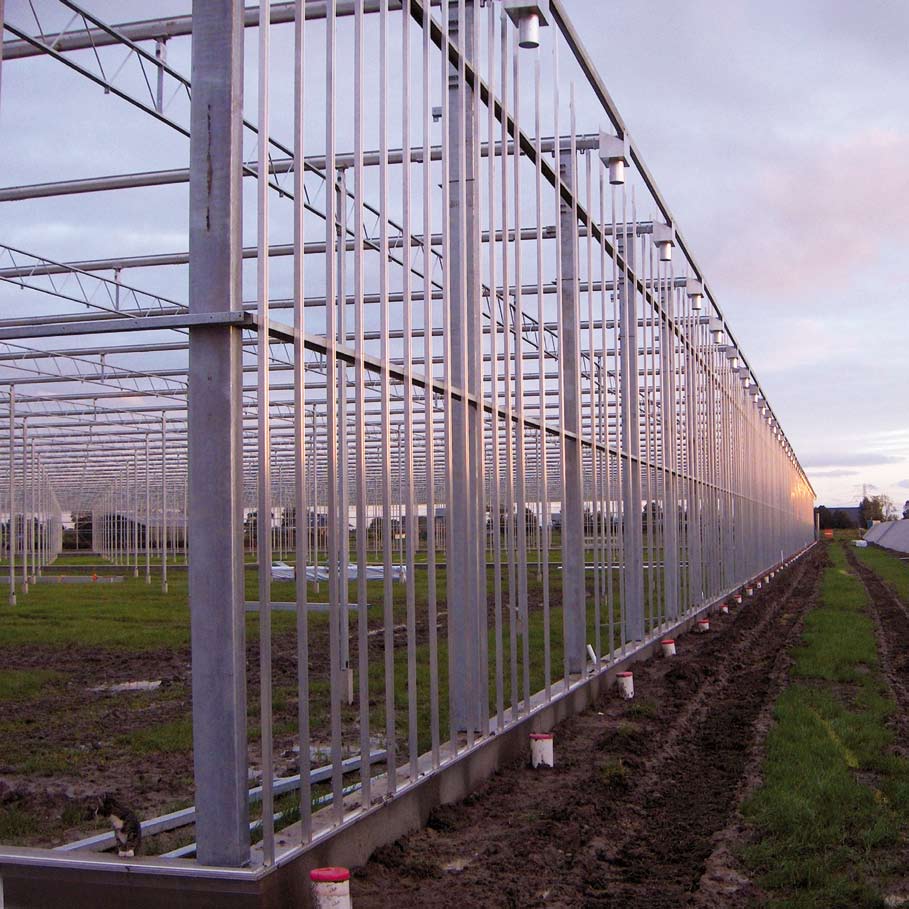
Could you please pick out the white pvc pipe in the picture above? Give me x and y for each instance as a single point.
(749, 591)
(330, 888)
(541, 749)
(724, 608)
(703, 625)
(668, 646)
(616, 171)
(626, 685)
(738, 598)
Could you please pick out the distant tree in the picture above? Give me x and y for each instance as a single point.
(824, 517)
(251, 527)
(839, 520)
(877, 508)
(531, 524)
(906, 510)
(508, 523)
(652, 512)
(82, 521)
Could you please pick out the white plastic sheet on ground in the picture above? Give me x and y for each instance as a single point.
(281, 571)
(892, 534)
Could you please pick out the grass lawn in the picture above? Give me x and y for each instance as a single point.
(833, 808)
(890, 568)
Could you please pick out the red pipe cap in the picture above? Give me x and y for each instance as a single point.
(625, 675)
(668, 641)
(329, 875)
(540, 736)
(703, 621)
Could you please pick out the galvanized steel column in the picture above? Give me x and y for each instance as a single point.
(633, 541)
(12, 493)
(214, 437)
(25, 481)
(574, 595)
(670, 463)
(465, 685)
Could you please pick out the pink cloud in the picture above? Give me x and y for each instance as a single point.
(818, 212)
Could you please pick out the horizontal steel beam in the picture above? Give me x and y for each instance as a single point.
(175, 176)
(107, 326)
(176, 27)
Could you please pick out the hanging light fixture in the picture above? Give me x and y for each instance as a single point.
(717, 330)
(615, 153)
(664, 237)
(695, 291)
(528, 17)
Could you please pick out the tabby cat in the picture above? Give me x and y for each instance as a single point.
(127, 829)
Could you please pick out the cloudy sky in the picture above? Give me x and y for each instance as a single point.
(779, 134)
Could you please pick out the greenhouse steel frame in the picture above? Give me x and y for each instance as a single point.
(496, 377)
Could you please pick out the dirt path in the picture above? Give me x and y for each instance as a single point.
(630, 815)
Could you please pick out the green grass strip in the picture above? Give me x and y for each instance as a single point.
(892, 570)
(835, 798)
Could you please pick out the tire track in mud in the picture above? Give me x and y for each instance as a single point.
(891, 628)
(630, 814)
(691, 787)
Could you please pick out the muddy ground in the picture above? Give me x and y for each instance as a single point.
(641, 808)
(62, 749)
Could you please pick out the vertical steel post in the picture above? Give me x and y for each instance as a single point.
(465, 687)
(135, 514)
(631, 443)
(263, 405)
(496, 479)
(301, 539)
(147, 514)
(343, 478)
(428, 401)
(163, 503)
(413, 523)
(520, 478)
(12, 493)
(693, 487)
(216, 581)
(34, 519)
(25, 504)
(574, 596)
(669, 429)
(362, 506)
(331, 411)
